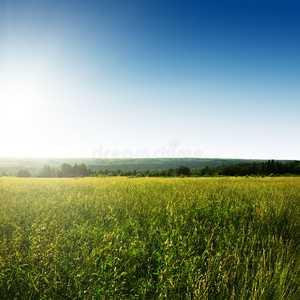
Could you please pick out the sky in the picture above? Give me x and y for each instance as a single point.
(117, 78)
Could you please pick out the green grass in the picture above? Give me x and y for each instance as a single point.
(150, 238)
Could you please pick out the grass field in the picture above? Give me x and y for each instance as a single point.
(150, 238)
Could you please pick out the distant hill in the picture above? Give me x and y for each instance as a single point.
(12, 165)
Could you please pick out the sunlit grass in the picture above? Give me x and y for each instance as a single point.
(120, 238)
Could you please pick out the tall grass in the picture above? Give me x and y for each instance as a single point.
(150, 238)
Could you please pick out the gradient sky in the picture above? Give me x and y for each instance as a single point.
(218, 77)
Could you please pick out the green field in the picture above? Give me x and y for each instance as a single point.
(150, 238)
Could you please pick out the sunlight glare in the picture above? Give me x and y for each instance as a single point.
(18, 98)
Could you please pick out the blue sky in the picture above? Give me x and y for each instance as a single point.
(221, 78)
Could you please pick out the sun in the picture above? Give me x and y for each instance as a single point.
(19, 95)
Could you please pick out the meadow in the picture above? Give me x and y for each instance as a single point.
(150, 238)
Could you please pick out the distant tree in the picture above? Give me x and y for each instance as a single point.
(182, 171)
(47, 172)
(162, 173)
(262, 168)
(67, 170)
(24, 173)
(278, 167)
(253, 169)
(170, 172)
(75, 171)
(154, 174)
(83, 170)
(60, 174)
(4, 173)
(203, 171)
(270, 167)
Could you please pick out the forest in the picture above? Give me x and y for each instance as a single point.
(269, 168)
(11, 166)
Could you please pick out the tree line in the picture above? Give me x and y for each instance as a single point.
(66, 170)
(269, 168)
